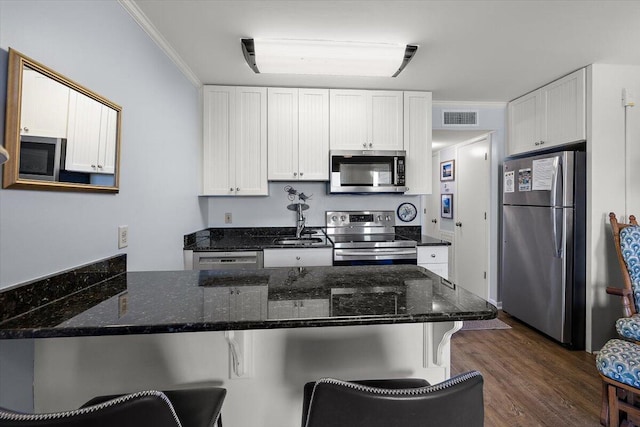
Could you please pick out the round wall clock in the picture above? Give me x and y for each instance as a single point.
(407, 212)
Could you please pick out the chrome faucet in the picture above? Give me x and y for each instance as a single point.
(300, 222)
(298, 207)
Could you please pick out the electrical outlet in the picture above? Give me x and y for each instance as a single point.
(123, 236)
(227, 218)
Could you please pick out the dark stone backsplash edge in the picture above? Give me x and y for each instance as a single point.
(22, 298)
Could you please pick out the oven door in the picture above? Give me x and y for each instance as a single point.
(375, 256)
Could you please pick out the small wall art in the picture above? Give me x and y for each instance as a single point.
(447, 170)
(446, 206)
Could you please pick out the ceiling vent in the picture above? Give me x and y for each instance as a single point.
(459, 118)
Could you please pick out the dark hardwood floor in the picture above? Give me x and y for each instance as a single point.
(529, 380)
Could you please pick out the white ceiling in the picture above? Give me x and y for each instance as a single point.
(469, 50)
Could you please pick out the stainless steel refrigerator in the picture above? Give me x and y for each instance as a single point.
(543, 243)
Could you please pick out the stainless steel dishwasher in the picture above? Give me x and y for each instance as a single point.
(226, 260)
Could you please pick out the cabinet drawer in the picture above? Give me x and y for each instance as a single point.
(433, 254)
(305, 257)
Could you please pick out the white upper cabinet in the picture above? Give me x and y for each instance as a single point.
(44, 107)
(91, 135)
(363, 119)
(298, 134)
(552, 115)
(417, 141)
(235, 141)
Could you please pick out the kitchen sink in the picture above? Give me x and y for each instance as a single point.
(297, 241)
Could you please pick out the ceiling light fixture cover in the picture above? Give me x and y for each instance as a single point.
(326, 57)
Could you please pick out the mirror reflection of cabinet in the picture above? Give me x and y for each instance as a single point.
(45, 110)
(91, 136)
(45, 106)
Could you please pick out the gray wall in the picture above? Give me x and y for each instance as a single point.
(99, 45)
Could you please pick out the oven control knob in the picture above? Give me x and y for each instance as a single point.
(379, 218)
(388, 218)
(343, 218)
(334, 218)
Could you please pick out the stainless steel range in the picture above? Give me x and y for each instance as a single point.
(368, 238)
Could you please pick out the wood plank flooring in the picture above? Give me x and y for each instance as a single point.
(529, 380)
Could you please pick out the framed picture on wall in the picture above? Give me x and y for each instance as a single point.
(447, 170)
(446, 206)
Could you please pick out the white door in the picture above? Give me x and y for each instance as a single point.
(471, 210)
(432, 217)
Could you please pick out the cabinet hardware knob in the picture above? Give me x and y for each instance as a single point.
(298, 258)
(231, 291)
(435, 221)
(237, 188)
(295, 303)
(295, 174)
(458, 224)
(370, 145)
(301, 173)
(26, 129)
(541, 142)
(301, 303)
(99, 166)
(231, 189)
(433, 255)
(93, 166)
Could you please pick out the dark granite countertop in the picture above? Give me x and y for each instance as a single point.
(249, 238)
(216, 300)
(415, 233)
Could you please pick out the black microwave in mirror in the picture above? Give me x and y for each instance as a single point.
(40, 157)
(367, 171)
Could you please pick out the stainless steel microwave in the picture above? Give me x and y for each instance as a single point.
(40, 157)
(364, 171)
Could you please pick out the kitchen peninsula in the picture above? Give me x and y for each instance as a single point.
(282, 326)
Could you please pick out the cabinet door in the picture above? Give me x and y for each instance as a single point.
(283, 309)
(417, 141)
(385, 120)
(313, 131)
(45, 106)
(282, 134)
(525, 117)
(219, 130)
(248, 303)
(441, 270)
(313, 308)
(249, 148)
(83, 134)
(565, 110)
(349, 119)
(108, 136)
(216, 303)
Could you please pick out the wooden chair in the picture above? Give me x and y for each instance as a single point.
(618, 362)
(627, 243)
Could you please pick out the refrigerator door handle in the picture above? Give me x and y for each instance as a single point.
(557, 231)
(557, 175)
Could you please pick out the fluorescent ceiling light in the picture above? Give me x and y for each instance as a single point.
(326, 57)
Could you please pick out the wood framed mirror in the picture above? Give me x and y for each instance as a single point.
(60, 135)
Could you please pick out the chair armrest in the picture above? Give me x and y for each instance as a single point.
(621, 292)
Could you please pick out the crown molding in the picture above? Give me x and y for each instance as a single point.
(138, 15)
(469, 104)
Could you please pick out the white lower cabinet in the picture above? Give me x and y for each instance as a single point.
(305, 257)
(295, 309)
(434, 259)
(235, 303)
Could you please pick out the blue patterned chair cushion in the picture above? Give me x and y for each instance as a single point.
(629, 327)
(620, 361)
(630, 245)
